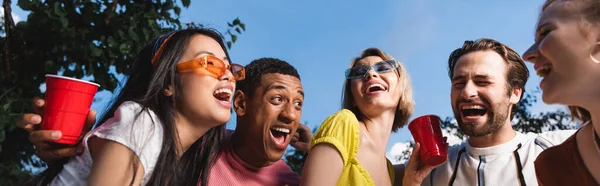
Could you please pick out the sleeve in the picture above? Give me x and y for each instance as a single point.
(341, 131)
(550, 139)
(138, 130)
(391, 171)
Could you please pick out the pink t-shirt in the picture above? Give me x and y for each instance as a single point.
(229, 170)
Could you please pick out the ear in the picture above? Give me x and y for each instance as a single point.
(168, 91)
(595, 52)
(515, 95)
(239, 103)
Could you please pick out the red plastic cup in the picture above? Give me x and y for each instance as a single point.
(427, 131)
(68, 103)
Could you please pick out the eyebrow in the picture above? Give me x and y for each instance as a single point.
(209, 53)
(281, 87)
(456, 78)
(301, 93)
(478, 76)
(539, 27)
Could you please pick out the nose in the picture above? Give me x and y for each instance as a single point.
(469, 92)
(289, 114)
(371, 74)
(531, 54)
(227, 76)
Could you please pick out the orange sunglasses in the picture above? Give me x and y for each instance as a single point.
(215, 66)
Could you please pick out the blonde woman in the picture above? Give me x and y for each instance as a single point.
(349, 147)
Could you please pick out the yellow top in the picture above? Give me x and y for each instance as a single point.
(341, 130)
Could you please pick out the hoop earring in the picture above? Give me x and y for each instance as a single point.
(592, 56)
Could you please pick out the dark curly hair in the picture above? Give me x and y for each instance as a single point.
(259, 67)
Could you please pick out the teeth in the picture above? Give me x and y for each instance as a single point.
(376, 85)
(544, 70)
(279, 129)
(472, 107)
(223, 90)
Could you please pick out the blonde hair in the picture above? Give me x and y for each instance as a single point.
(589, 10)
(406, 105)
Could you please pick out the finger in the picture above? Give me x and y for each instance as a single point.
(29, 121)
(68, 152)
(414, 160)
(41, 136)
(38, 105)
(50, 155)
(295, 139)
(425, 170)
(89, 123)
(307, 136)
(301, 128)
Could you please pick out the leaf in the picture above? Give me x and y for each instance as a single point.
(64, 21)
(124, 48)
(238, 30)
(233, 38)
(120, 33)
(243, 26)
(25, 5)
(177, 10)
(111, 41)
(96, 52)
(58, 10)
(236, 21)
(229, 44)
(132, 34)
(229, 24)
(185, 3)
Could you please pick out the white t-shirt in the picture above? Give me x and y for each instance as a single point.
(141, 132)
(495, 165)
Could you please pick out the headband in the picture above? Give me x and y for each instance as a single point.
(158, 46)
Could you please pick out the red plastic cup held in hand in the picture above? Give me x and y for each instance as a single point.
(427, 131)
(68, 103)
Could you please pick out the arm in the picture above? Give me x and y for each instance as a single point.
(323, 166)
(113, 164)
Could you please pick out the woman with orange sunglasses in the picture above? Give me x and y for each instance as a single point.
(168, 117)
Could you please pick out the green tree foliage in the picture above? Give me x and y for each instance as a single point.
(78, 39)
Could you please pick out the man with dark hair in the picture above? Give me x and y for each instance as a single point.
(268, 104)
(488, 80)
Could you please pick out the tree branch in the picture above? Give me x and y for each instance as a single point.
(8, 26)
(112, 10)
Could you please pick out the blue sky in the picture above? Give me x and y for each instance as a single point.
(320, 38)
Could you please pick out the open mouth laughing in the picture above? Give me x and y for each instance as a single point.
(223, 96)
(374, 87)
(280, 135)
(473, 111)
(543, 70)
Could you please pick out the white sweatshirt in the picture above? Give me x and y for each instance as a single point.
(509, 164)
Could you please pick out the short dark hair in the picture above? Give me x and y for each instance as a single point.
(259, 67)
(517, 73)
